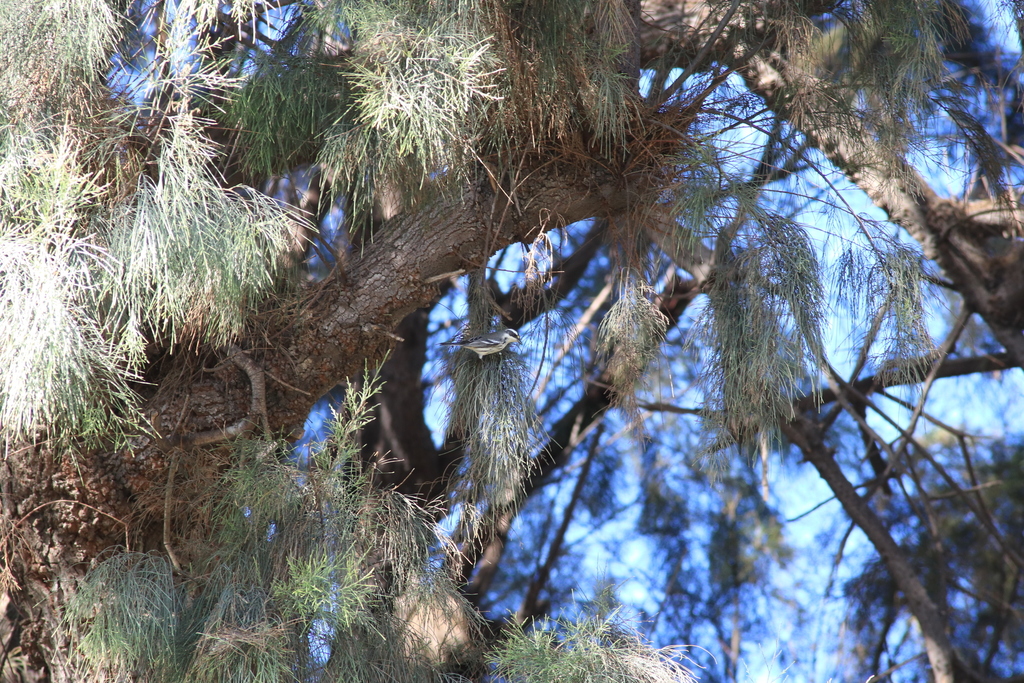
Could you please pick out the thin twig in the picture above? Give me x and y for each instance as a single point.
(816, 507)
(695, 62)
(933, 530)
(877, 677)
(659, 407)
(529, 605)
(947, 346)
(285, 384)
(257, 384)
(841, 389)
(445, 276)
(573, 335)
(972, 489)
(928, 416)
(171, 470)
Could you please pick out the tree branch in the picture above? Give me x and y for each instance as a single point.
(807, 436)
(965, 241)
(913, 373)
(347, 320)
(528, 608)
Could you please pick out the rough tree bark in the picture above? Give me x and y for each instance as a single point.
(63, 509)
(972, 242)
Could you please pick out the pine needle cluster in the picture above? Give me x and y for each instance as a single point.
(552, 48)
(593, 648)
(762, 326)
(60, 366)
(629, 337)
(405, 97)
(52, 54)
(282, 108)
(886, 286)
(314, 574)
(192, 258)
(86, 284)
(893, 51)
(491, 412)
(97, 258)
(416, 85)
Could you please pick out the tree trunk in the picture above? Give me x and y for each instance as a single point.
(63, 509)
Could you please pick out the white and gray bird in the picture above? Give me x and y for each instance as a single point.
(486, 344)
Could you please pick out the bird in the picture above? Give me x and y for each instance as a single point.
(486, 344)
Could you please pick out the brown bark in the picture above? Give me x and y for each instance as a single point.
(398, 439)
(972, 243)
(61, 510)
(809, 438)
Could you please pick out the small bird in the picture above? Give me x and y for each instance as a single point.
(486, 344)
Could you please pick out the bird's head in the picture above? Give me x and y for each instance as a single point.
(511, 336)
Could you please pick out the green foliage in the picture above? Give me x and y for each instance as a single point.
(61, 47)
(431, 87)
(57, 368)
(87, 274)
(629, 336)
(61, 368)
(281, 109)
(886, 285)
(194, 259)
(895, 55)
(204, 12)
(490, 410)
(762, 326)
(897, 287)
(313, 573)
(887, 77)
(316, 589)
(590, 650)
(82, 287)
(133, 610)
(699, 199)
(552, 49)
(42, 184)
(244, 640)
(415, 86)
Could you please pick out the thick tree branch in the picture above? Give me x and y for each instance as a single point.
(912, 374)
(348, 320)
(969, 242)
(399, 438)
(808, 437)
